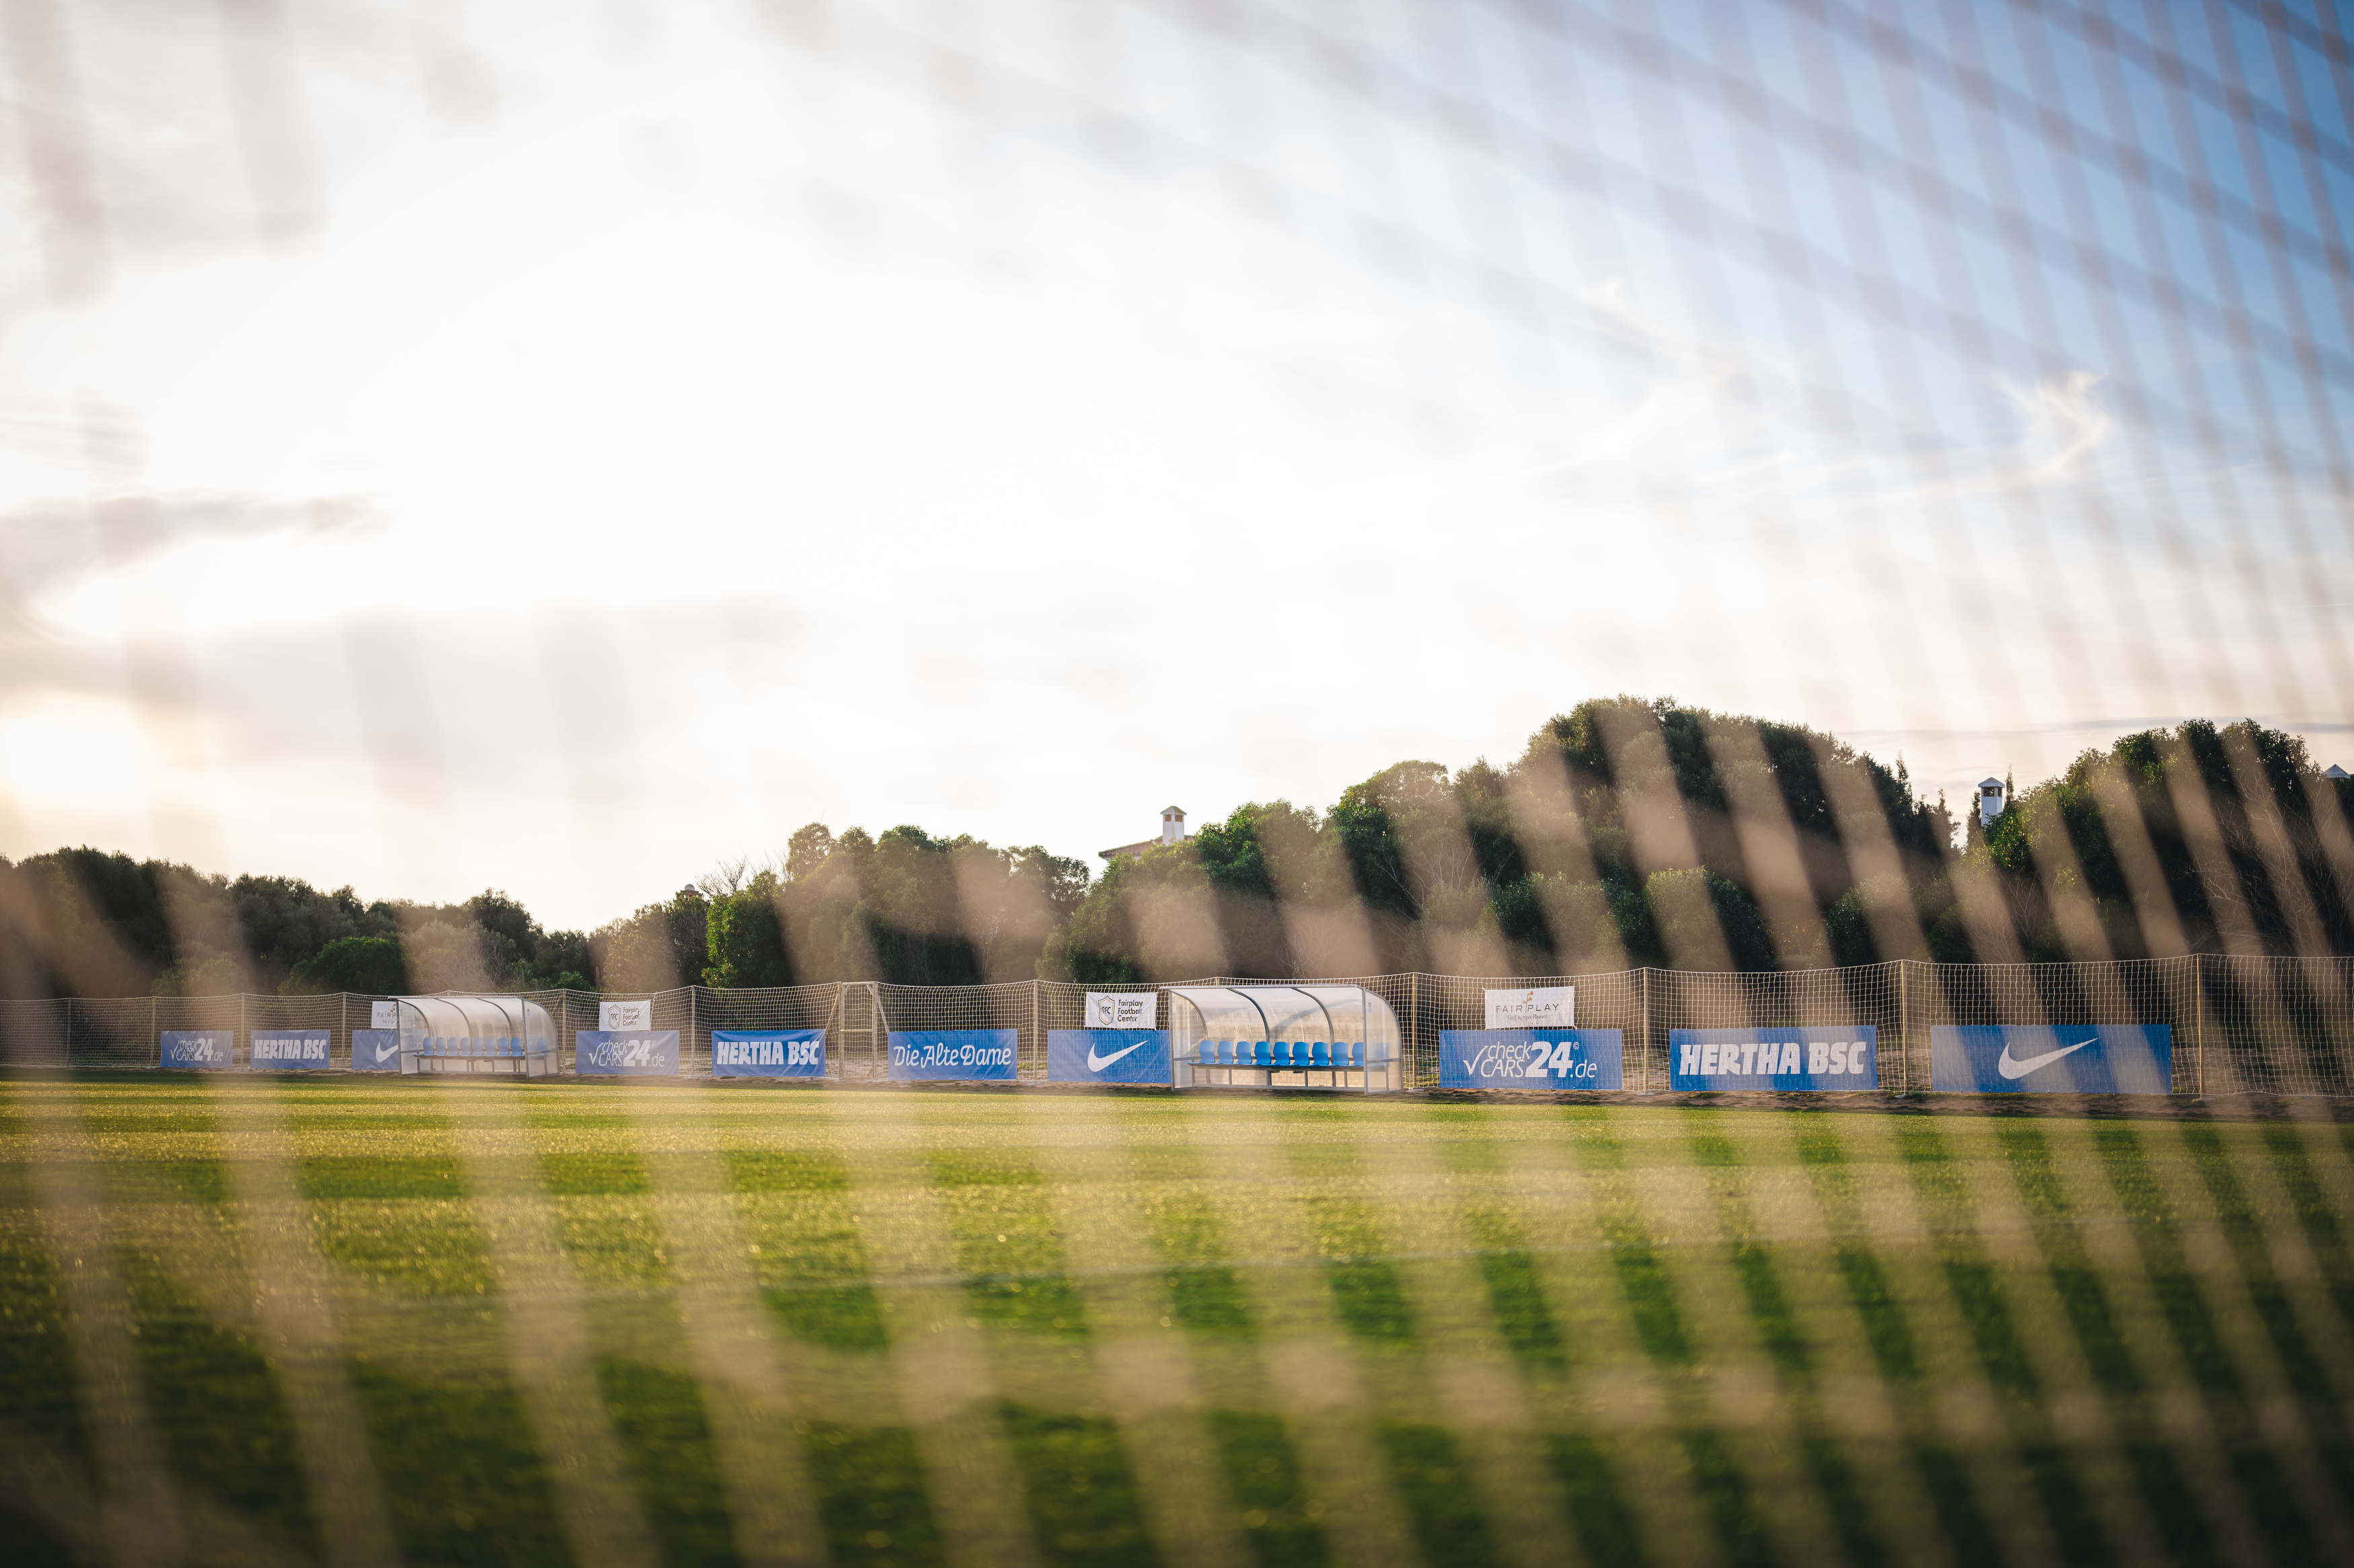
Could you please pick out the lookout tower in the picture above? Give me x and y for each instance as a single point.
(1989, 801)
(1172, 831)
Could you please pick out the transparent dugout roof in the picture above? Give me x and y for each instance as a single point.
(1328, 1012)
(473, 1018)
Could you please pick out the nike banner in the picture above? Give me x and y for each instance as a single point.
(767, 1052)
(984, 1055)
(376, 1050)
(639, 1053)
(1541, 1059)
(199, 1050)
(1825, 1056)
(282, 1049)
(1107, 1055)
(2042, 1059)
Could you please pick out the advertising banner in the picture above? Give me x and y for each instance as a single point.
(642, 1053)
(384, 1016)
(984, 1055)
(199, 1050)
(1533, 1007)
(2044, 1059)
(767, 1052)
(1824, 1057)
(288, 1050)
(1107, 1055)
(625, 1017)
(1122, 1009)
(376, 1050)
(1539, 1059)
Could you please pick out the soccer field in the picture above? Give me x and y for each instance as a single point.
(254, 1320)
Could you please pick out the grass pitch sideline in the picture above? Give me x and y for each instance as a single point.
(262, 1320)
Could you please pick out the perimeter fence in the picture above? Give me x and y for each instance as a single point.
(2241, 1025)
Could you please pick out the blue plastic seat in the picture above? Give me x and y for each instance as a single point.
(1260, 1056)
(1356, 1052)
(1320, 1053)
(1222, 1052)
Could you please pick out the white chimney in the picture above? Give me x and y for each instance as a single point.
(1172, 825)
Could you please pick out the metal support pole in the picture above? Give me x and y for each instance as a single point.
(690, 1046)
(2198, 1015)
(155, 1028)
(1647, 1029)
(1904, 1027)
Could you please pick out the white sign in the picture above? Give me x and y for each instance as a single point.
(1539, 1007)
(384, 1016)
(613, 1016)
(1121, 1009)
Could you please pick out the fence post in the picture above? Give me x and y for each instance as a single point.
(1407, 1072)
(2198, 1015)
(690, 1028)
(1037, 1039)
(155, 1029)
(1647, 1029)
(1904, 1027)
(65, 1029)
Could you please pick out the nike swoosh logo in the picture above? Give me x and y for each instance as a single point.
(386, 1052)
(2011, 1066)
(1098, 1063)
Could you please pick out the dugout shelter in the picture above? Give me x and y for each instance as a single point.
(476, 1034)
(1284, 1037)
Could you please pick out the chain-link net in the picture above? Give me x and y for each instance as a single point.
(2240, 1025)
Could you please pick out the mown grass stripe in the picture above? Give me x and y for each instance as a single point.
(871, 1501)
(462, 1479)
(1516, 1297)
(206, 1380)
(1724, 1491)
(1278, 1517)
(1441, 1502)
(1081, 1497)
(839, 1317)
(1597, 1506)
(39, 1397)
(1209, 1299)
(660, 1419)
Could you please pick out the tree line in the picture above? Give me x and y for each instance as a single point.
(1627, 832)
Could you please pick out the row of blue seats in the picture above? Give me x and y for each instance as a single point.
(461, 1046)
(1293, 1055)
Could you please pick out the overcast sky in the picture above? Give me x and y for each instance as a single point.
(559, 447)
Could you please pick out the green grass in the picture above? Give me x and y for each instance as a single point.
(1722, 1329)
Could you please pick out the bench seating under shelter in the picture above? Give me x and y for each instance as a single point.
(496, 1034)
(1284, 1036)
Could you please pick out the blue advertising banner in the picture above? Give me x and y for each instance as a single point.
(199, 1050)
(971, 1054)
(1821, 1056)
(2043, 1059)
(767, 1052)
(1107, 1055)
(644, 1053)
(376, 1050)
(1538, 1059)
(288, 1050)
